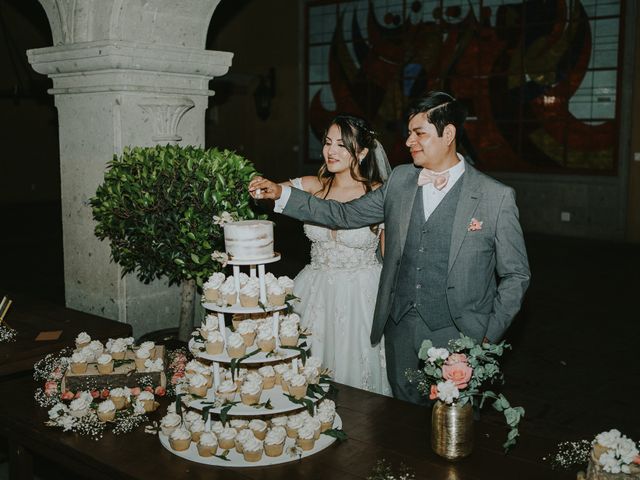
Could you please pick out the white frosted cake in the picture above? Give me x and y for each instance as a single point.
(249, 239)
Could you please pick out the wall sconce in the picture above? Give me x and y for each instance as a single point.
(265, 91)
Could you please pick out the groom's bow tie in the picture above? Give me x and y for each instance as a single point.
(439, 180)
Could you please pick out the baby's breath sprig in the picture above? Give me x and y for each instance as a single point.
(7, 334)
(569, 455)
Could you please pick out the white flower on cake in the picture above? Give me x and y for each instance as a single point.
(121, 392)
(104, 359)
(215, 281)
(221, 257)
(67, 422)
(156, 365)
(327, 405)
(145, 395)
(448, 392)
(222, 218)
(435, 354)
(106, 406)
(609, 439)
(148, 345)
(80, 404)
(325, 416)
(626, 450)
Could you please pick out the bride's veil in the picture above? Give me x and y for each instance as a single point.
(381, 161)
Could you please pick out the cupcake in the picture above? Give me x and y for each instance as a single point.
(250, 393)
(268, 375)
(275, 295)
(265, 340)
(120, 396)
(207, 444)
(196, 428)
(180, 439)
(313, 362)
(239, 424)
(287, 284)
(294, 423)
(279, 421)
(316, 425)
(142, 355)
(227, 390)
(228, 293)
(79, 407)
(288, 333)
(169, 423)
(326, 418)
(211, 287)
(194, 366)
(326, 404)
(226, 438)
(286, 379)
(274, 441)
(198, 385)
(236, 347)
(298, 386)
(259, 428)
(78, 363)
(247, 329)
(250, 293)
(117, 348)
(105, 364)
(270, 278)
(82, 340)
(312, 374)
(252, 450)
(243, 278)
(242, 437)
(191, 417)
(215, 343)
(306, 437)
(280, 369)
(236, 318)
(149, 345)
(147, 400)
(106, 411)
(217, 427)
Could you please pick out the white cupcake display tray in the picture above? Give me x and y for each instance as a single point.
(236, 459)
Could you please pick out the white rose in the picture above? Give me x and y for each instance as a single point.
(67, 422)
(448, 392)
(609, 462)
(138, 408)
(609, 439)
(626, 450)
(57, 411)
(436, 354)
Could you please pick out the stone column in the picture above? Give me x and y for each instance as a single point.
(125, 72)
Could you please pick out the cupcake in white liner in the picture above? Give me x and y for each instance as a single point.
(118, 348)
(215, 343)
(270, 278)
(266, 340)
(226, 438)
(253, 376)
(279, 421)
(217, 427)
(149, 345)
(274, 441)
(147, 400)
(298, 386)
(82, 340)
(78, 363)
(252, 450)
(286, 283)
(294, 423)
(326, 418)
(275, 294)
(289, 333)
(79, 407)
(306, 438)
(191, 417)
(105, 364)
(280, 369)
(169, 423)
(198, 385)
(312, 374)
(313, 362)
(250, 293)
(106, 411)
(242, 437)
(326, 404)
(180, 439)
(120, 396)
(250, 392)
(236, 347)
(205, 331)
(243, 278)
(209, 323)
(247, 329)
(228, 293)
(194, 366)
(239, 424)
(211, 287)
(207, 444)
(227, 390)
(156, 365)
(142, 355)
(286, 379)
(259, 428)
(317, 426)
(268, 375)
(197, 427)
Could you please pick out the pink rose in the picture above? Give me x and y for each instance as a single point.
(135, 391)
(68, 395)
(104, 393)
(176, 377)
(459, 373)
(160, 391)
(77, 395)
(434, 392)
(50, 388)
(148, 389)
(456, 358)
(95, 393)
(637, 459)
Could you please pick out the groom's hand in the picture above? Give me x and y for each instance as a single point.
(262, 189)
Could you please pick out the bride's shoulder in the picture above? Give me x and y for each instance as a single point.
(310, 184)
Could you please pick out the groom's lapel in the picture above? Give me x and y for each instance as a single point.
(408, 188)
(469, 197)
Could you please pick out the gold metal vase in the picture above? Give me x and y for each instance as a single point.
(452, 430)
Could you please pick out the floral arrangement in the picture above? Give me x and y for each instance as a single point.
(610, 452)
(384, 471)
(461, 374)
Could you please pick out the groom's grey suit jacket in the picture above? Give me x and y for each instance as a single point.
(488, 271)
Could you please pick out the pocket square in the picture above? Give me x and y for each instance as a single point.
(474, 225)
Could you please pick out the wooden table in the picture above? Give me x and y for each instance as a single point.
(31, 316)
(378, 427)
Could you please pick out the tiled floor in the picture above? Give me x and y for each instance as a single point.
(575, 362)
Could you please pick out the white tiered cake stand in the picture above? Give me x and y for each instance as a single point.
(275, 396)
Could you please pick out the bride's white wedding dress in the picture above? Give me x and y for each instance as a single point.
(337, 292)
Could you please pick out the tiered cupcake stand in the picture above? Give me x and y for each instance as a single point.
(280, 404)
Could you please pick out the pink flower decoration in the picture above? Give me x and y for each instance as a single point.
(637, 459)
(95, 393)
(474, 225)
(50, 388)
(434, 392)
(68, 395)
(104, 393)
(459, 373)
(160, 391)
(135, 391)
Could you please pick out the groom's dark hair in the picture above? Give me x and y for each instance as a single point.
(441, 109)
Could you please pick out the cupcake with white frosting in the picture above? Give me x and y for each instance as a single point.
(312, 374)
(279, 421)
(78, 363)
(280, 369)
(226, 438)
(250, 293)
(142, 355)
(306, 438)
(147, 400)
(228, 293)
(265, 340)
(326, 404)
(274, 441)
(268, 375)
(169, 423)
(82, 340)
(236, 347)
(270, 278)
(149, 345)
(289, 333)
(191, 417)
(198, 385)
(207, 444)
(239, 424)
(259, 428)
(120, 396)
(197, 427)
(79, 407)
(241, 438)
(156, 365)
(252, 450)
(105, 364)
(250, 393)
(227, 390)
(106, 411)
(326, 418)
(275, 294)
(211, 287)
(180, 439)
(247, 329)
(217, 427)
(294, 423)
(286, 378)
(243, 278)
(117, 348)
(194, 366)
(297, 386)
(286, 283)
(215, 343)
(317, 426)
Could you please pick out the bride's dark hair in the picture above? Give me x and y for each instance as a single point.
(357, 135)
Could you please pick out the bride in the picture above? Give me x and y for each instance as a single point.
(338, 288)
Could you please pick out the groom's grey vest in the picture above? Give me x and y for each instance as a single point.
(422, 279)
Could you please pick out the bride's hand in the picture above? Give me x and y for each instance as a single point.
(262, 188)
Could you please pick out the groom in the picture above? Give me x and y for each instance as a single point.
(454, 260)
